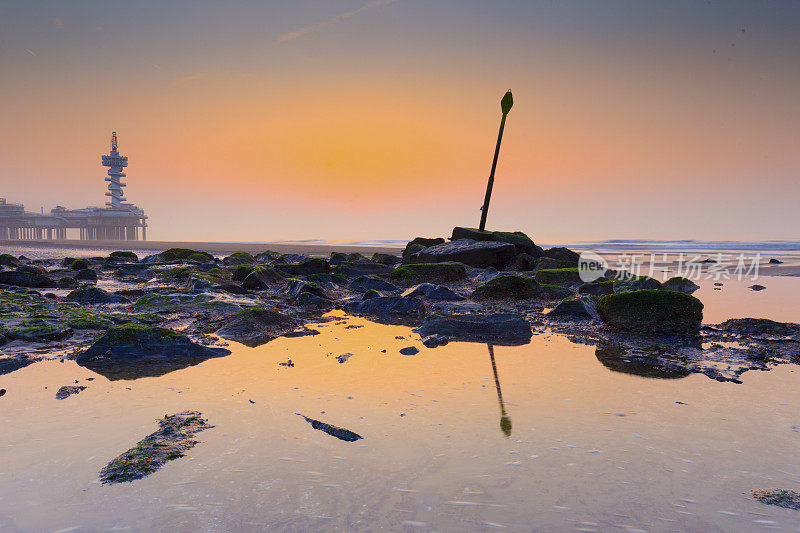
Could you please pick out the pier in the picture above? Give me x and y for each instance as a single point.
(117, 221)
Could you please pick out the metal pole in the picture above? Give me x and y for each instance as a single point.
(505, 105)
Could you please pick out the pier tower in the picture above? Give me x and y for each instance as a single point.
(116, 164)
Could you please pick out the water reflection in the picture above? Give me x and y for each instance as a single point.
(614, 358)
(136, 369)
(505, 421)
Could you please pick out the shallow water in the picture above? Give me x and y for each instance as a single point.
(588, 448)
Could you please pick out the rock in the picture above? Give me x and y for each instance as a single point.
(309, 300)
(67, 283)
(470, 252)
(68, 390)
(371, 293)
(575, 307)
(334, 431)
(123, 255)
(316, 265)
(420, 272)
(522, 263)
(365, 283)
(364, 267)
(239, 258)
(131, 351)
(343, 357)
(94, 295)
(522, 242)
(487, 274)
(230, 288)
(260, 278)
(433, 292)
(788, 499)
(598, 287)
(652, 312)
(499, 328)
(636, 283)
(291, 259)
(411, 249)
(760, 327)
(26, 279)
(757, 287)
(38, 330)
(434, 341)
(294, 287)
(548, 262)
(341, 257)
(256, 325)
(680, 284)
(87, 274)
(563, 254)
(426, 242)
(9, 260)
(385, 259)
(175, 436)
(267, 256)
(774, 261)
(185, 254)
(518, 287)
(558, 276)
(388, 307)
(409, 350)
(79, 264)
(471, 233)
(458, 308)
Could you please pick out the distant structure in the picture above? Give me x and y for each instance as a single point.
(118, 221)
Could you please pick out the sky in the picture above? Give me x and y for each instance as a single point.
(345, 119)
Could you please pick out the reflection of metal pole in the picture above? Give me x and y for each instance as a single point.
(505, 106)
(505, 421)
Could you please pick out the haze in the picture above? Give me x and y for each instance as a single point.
(258, 121)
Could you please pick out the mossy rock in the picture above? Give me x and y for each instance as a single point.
(558, 276)
(124, 255)
(40, 331)
(315, 265)
(385, 259)
(788, 499)
(79, 264)
(94, 295)
(636, 283)
(239, 258)
(411, 249)
(87, 321)
(523, 243)
(543, 263)
(67, 282)
(652, 312)
(9, 260)
(260, 278)
(517, 287)
(182, 254)
(426, 242)
(87, 274)
(176, 273)
(420, 272)
(680, 284)
(240, 272)
(471, 233)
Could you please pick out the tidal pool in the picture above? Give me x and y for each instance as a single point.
(549, 436)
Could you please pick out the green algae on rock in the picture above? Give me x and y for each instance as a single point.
(124, 255)
(652, 311)
(420, 272)
(516, 287)
(173, 439)
(256, 325)
(788, 499)
(558, 276)
(181, 254)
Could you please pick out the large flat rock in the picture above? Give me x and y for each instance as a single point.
(480, 254)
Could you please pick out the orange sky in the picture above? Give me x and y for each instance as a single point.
(378, 120)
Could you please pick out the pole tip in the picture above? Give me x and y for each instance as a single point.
(507, 102)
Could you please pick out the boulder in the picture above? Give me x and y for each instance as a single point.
(341, 257)
(522, 242)
(636, 283)
(123, 256)
(363, 267)
(38, 330)
(575, 307)
(471, 233)
(26, 279)
(133, 351)
(480, 254)
(774, 261)
(311, 300)
(385, 259)
(409, 350)
(261, 278)
(316, 265)
(518, 287)
(295, 287)
(185, 254)
(680, 284)
(94, 295)
(422, 272)
(498, 328)
(760, 327)
(87, 274)
(563, 254)
(388, 308)
(365, 283)
(9, 260)
(652, 312)
(598, 287)
(79, 264)
(522, 262)
(434, 341)
(67, 282)
(256, 325)
(432, 292)
(239, 258)
(411, 250)
(267, 256)
(542, 263)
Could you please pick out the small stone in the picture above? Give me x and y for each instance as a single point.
(409, 350)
